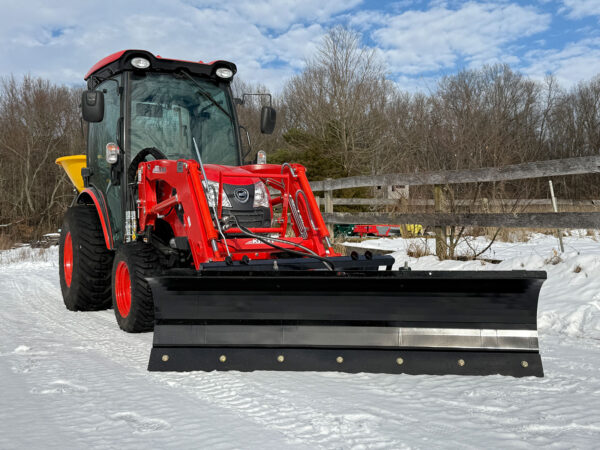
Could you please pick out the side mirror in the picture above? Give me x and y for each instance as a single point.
(268, 117)
(92, 106)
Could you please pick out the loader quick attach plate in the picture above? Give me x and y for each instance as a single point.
(417, 322)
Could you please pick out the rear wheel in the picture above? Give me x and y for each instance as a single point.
(131, 294)
(84, 261)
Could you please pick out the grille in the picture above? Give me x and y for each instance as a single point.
(256, 218)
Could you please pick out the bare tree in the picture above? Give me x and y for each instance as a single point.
(38, 123)
(340, 98)
(249, 118)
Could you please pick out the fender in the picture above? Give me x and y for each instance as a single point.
(92, 195)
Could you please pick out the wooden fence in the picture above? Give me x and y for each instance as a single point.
(509, 220)
(460, 202)
(539, 169)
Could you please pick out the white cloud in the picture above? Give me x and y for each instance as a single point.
(577, 61)
(577, 9)
(269, 40)
(280, 14)
(298, 43)
(420, 41)
(420, 84)
(62, 42)
(365, 20)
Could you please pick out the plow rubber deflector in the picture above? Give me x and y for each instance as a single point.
(418, 322)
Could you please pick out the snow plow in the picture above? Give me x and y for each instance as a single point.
(232, 265)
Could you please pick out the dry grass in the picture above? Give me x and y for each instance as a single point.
(339, 248)
(417, 249)
(554, 259)
(503, 234)
(6, 242)
(23, 254)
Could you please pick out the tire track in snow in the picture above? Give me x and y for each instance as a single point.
(105, 390)
(331, 410)
(298, 417)
(298, 420)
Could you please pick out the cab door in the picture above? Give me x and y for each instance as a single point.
(99, 135)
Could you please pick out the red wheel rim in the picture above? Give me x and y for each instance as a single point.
(123, 289)
(68, 259)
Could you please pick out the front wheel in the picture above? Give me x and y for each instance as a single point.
(131, 294)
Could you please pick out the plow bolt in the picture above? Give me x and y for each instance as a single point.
(165, 358)
(222, 358)
(339, 359)
(280, 358)
(461, 362)
(400, 361)
(524, 363)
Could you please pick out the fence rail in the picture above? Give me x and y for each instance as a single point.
(443, 217)
(460, 202)
(538, 169)
(518, 220)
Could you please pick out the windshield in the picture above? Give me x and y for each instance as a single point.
(167, 111)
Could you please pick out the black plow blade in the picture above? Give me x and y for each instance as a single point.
(452, 322)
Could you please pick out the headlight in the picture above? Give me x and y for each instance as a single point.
(261, 198)
(212, 188)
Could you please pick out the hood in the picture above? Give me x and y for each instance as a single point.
(235, 175)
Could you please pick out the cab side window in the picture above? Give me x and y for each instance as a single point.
(100, 134)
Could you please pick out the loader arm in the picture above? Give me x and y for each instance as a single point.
(164, 187)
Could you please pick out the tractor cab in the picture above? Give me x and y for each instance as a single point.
(141, 107)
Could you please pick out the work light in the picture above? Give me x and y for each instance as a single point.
(140, 63)
(224, 72)
(112, 153)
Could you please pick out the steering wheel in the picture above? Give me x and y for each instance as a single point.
(141, 156)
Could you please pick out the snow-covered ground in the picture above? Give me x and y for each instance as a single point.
(73, 380)
(570, 299)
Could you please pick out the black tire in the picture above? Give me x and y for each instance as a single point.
(91, 261)
(141, 261)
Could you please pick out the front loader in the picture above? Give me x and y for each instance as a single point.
(232, 265)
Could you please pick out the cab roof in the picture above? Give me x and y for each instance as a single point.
(121, 61)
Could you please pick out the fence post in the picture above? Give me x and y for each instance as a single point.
(441, 241)
(555, 207)
(328, 197)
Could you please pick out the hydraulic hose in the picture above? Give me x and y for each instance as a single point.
(307, 253)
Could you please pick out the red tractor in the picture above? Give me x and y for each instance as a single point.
(232, 266)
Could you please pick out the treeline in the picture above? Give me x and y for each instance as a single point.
(39, 122)
(341, 116)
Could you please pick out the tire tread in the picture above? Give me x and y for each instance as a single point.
(93, 291)
(143, 262)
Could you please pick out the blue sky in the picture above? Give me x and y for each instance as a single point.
(270, 40)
